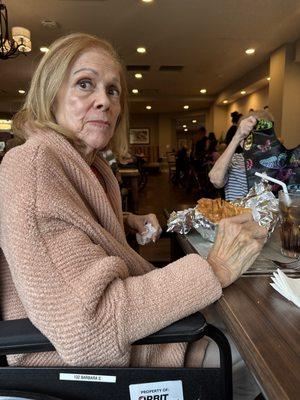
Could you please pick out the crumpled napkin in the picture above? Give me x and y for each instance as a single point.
(287, 287)
(147, 237)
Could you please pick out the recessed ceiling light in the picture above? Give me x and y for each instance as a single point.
(44, 49)
(225, 101)
(148, 107)
(186, 107)
(135, 91)
(141, 50)
(194, 121)
(250, 51)
(184, 126)
(147, 1)
(138, 76)
(185, 129)
(268, 78)
(21, 91)
(243, 92)
(203, 91)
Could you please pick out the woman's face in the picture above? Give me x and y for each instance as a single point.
(88, 102)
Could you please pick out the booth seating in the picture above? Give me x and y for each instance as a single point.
(74, 383)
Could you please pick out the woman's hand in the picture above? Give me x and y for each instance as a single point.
(239, 241)
(137, 224)
(244, 128)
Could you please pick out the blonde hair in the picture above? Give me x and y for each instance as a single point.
(47, 80)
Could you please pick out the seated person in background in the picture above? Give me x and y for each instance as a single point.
(109, 156)
(212, 154)
(201, 133)
(126, 160)
(65, 261)
(182, 164)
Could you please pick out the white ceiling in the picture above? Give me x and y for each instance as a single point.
(207, 38)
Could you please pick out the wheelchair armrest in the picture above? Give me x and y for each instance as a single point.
(21, 336)
(188, 329)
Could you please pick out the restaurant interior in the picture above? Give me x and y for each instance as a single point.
(189, 65)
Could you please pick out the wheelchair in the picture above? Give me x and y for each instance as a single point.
(74, 383)
(82, 383)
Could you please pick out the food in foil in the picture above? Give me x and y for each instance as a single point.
(181, 221)
(206, 215)
(264, 205)
(216, 209)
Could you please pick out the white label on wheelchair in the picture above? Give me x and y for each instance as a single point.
(88, 378)
(168, 390)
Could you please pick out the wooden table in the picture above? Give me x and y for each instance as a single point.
(266, 330)
(130, 178)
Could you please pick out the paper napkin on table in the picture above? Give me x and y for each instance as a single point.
(287, 287)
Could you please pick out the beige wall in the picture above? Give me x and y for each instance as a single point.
(277, 73)
(290, 124)
(285, 93)
(149, 121)
(256, 100)
(165, 137)
(216, 119)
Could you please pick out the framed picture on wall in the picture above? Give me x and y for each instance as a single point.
(139, 136)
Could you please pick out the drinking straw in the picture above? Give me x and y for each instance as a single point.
(286, 196)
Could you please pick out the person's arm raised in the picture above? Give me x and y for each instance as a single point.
(218, 173)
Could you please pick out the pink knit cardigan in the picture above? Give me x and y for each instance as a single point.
(66, 264)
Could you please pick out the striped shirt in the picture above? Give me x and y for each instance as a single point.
(236, 185)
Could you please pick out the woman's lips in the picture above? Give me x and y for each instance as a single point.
(99, 122)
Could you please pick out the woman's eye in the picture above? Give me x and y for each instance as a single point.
(114, 91)
(85, 84)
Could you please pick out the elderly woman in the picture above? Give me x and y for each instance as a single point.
(229, 171)
(66, 263)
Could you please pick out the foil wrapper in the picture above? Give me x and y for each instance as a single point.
(181, 221)
(205, 227)
(263, 203)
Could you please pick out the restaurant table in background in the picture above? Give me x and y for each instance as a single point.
(264, 325)
(130, 178)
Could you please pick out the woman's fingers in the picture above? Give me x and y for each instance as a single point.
(246, 220)
(238, 243)
(245, 127)
(240, 219)
(152, 219)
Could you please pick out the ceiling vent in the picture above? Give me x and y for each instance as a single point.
(137, 67)
(49, 24)
(171, 68)
(149, 92)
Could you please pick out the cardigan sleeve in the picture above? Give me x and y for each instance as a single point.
(79, 296)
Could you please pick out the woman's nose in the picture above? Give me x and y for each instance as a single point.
(102, 100)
